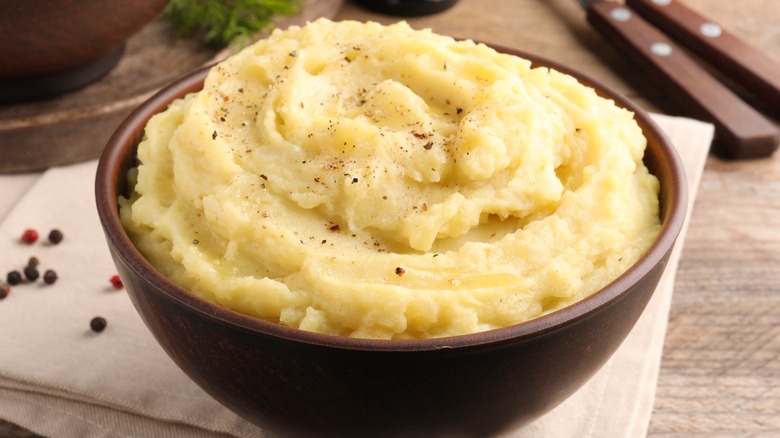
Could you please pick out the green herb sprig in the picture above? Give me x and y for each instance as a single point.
(227, 22)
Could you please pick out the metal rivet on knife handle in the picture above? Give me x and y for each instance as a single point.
(620, 14)
(710, 30)
(743, 63)
(661, 49)
(740, 130)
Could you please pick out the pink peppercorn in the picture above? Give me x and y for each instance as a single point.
(116, 282)
(4, 290)
(29, 236)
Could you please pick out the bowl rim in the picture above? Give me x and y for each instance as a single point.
(130, 131)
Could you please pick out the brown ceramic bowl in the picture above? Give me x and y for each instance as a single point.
(300, 383)
(48, 47)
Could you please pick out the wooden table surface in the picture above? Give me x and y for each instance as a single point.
(720, 373)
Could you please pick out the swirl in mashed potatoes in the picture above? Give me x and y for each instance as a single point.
(377, 181)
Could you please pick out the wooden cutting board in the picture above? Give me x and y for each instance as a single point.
(75, 126)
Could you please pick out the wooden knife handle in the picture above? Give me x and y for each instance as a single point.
(742, 131)
(738, 60)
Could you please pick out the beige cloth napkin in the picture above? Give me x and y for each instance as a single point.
(57, 378)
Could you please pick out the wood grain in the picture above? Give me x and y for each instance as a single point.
(720, 374)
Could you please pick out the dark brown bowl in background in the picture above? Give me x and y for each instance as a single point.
(296, 382)
(48, 47)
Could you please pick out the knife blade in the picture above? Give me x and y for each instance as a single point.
(741, 130)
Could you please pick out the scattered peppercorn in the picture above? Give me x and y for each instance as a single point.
(31, 273)
(98, 324)
(34, 262)
(14, 277)
(399, 271)
(49, 277)
(4, 290)
(116, 282)
(55, 236)
(29, 236)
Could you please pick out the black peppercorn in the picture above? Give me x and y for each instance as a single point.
(34, 262)
(55, 236)
(31, 273)
(98, 324)
(49, 277)
(14, 277)
(4, 290)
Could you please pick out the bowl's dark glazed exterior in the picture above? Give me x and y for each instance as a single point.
(301, 383)
(52, 46)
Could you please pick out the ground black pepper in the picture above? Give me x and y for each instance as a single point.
(399, 271)
(98, 324)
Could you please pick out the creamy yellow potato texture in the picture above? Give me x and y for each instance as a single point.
(377, 181)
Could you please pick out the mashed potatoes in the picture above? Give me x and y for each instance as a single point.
(376, 181)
